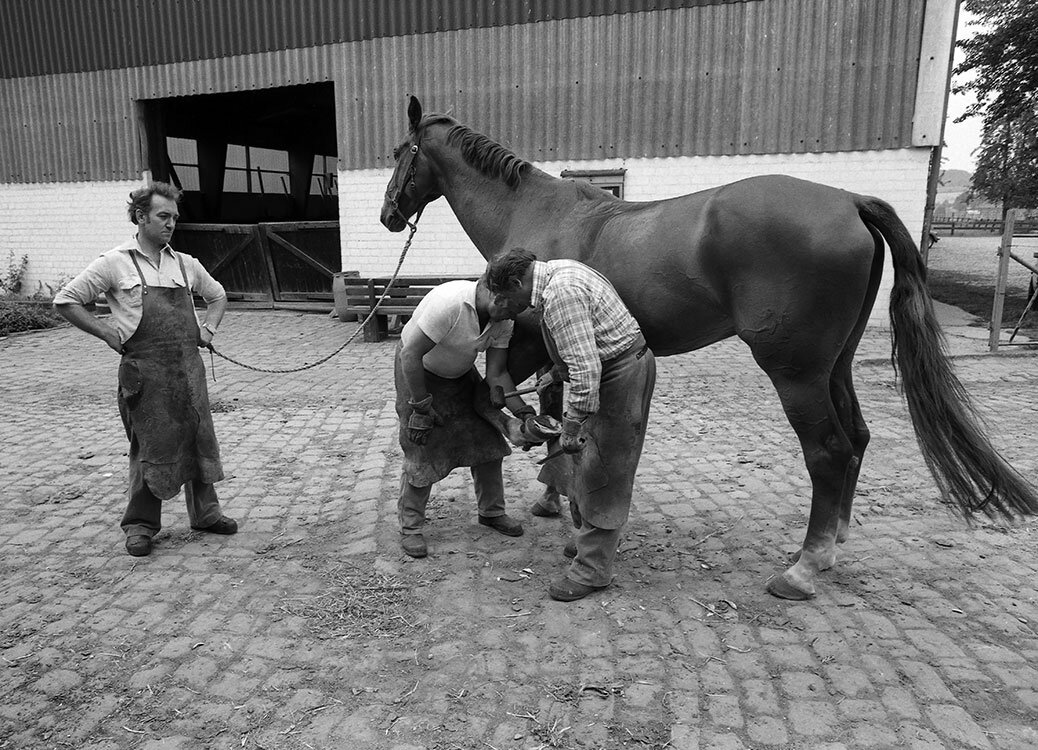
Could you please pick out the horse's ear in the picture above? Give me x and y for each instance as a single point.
(414, 113)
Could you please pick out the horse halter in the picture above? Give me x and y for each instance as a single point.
(395, 191)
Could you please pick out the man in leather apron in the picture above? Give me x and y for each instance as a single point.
(163, 399)
(598, 348)
(444, 406)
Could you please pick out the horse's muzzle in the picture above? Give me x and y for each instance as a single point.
(391, 218)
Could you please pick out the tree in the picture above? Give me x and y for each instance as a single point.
(1004, 62)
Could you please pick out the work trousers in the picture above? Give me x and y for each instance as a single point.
(490, 497)
(593, 565)
(144, 511)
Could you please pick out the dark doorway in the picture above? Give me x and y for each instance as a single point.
(259, 175)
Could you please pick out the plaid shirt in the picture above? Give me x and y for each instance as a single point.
(587, 320)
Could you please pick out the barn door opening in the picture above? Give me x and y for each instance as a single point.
(259, 175)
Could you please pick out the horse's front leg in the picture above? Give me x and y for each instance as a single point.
(831, 466)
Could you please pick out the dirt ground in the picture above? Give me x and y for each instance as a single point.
(310, 629)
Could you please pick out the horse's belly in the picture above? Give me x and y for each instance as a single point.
(681, 321)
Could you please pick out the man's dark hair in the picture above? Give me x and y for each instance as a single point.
(140, 199)
(504, 270)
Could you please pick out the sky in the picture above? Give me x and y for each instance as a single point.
(960, 139)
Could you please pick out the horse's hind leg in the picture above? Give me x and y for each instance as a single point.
(846, 402)
(841, 388)
(829, 456)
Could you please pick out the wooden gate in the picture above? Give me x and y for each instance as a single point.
(268, 263)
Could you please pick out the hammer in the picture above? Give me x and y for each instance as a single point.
(498, 395)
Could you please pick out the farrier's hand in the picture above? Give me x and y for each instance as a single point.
(205, 338)
(525, 415)
(423, 418)
(572, 440)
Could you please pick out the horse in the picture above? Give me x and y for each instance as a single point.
(791, 267)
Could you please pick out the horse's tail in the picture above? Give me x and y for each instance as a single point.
(971, 475)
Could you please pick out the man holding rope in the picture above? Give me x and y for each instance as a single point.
(163, 399)
(446, 416)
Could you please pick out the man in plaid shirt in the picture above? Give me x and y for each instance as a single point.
(599, 350)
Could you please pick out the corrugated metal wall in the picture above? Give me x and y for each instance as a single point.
(761, 77)
(45, 37)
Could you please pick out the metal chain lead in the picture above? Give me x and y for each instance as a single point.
(403, 254)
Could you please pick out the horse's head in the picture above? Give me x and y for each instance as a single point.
(413, 184)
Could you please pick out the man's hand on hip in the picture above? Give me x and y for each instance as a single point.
(114, 342)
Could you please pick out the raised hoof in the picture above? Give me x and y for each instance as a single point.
(783, 587)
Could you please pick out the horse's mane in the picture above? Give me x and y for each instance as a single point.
(479, 152)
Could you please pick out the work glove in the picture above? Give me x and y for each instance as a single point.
(526, 414)
(572, 440)
(423, 418)
(548, 379)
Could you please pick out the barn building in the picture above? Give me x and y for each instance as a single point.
(279, 119)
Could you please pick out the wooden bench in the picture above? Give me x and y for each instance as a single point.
(363, 293)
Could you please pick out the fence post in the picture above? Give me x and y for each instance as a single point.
(1004, 249)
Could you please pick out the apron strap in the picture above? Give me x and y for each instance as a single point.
(183, 272)
(144, 284)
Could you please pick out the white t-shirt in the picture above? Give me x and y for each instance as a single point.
(447, 315)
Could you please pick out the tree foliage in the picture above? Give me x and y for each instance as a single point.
(1003, 61)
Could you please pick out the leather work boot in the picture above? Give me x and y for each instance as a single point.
(138, 545)
(503, 524)
(414, 545)
(223, 525)
(568, 590)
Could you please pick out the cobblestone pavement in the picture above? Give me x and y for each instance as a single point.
(309, 628)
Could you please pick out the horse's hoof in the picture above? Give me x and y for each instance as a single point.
(784, 587)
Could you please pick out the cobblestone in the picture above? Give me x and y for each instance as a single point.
(923, 635)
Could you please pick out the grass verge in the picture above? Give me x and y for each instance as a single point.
(975, 295)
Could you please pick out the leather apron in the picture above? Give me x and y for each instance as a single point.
(599, 479)
(464, 439)
(163, 399)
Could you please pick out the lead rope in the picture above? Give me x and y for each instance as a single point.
(374, 310)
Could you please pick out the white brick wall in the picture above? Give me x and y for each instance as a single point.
(64, 226)
(61, 226)
(441, 246)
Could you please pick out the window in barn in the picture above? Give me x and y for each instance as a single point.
(611, 180)
(183, 162)
(255, 170)
(325, 178)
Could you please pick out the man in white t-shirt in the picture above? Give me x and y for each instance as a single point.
(446, 418)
